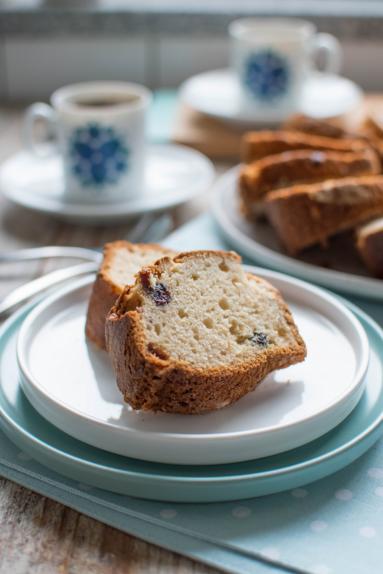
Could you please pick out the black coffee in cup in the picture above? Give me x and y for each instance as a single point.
(103, 101)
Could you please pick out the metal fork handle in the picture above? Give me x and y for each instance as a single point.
(33, 288)
(48, 252)
(149, 226)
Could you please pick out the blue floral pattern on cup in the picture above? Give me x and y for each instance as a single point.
(267, 75)
(99, 156)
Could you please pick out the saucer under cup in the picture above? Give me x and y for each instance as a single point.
(173, 175)
(217, 94)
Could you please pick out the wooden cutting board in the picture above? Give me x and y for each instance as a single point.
(220, 141)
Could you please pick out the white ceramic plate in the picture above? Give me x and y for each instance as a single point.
(174, 174)
(216, 94)
(71, 384)
(337, 268)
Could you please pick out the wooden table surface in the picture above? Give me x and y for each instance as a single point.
(38, 535)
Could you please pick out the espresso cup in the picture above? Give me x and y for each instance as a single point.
(272, 59)
(99, 131)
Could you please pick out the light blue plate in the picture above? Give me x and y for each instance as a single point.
(81, 462)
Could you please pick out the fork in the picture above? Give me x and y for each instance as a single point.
(49, 252)
(149, 226)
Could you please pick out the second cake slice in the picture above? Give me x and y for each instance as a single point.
(121, 261)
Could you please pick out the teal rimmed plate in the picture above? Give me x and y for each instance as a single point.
(294, 468)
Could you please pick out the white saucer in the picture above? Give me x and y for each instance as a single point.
(174, 174)
(71, 384)
(337, 268)
(216, 94)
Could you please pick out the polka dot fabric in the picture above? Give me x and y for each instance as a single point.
(304, 528)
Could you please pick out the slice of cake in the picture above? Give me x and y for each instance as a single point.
(296, 167)
(304, 215)
(256, 145)
(369, 242)
(121, 261)
(196, 333)
(314, 126)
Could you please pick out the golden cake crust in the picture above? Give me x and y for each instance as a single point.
(313, 126)
(300, 167)
(256, 145)
(309, 214)
(369, 243)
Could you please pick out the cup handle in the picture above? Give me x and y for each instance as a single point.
(45, 113)
(332, 50)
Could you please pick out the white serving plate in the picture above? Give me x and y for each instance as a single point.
(174, 174)
(336, 268)
(71, 384)
(216, 94)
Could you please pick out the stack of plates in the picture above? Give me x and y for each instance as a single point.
(59, 402)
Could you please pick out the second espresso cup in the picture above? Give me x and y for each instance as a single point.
(273, 58)
(99, 128)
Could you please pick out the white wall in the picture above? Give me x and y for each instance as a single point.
(33, 68)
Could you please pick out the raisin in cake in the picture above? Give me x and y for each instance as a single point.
(304, 215)
(196, 333)
(296, 167)
(256, 145)
(369, 243)
(121, 261)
